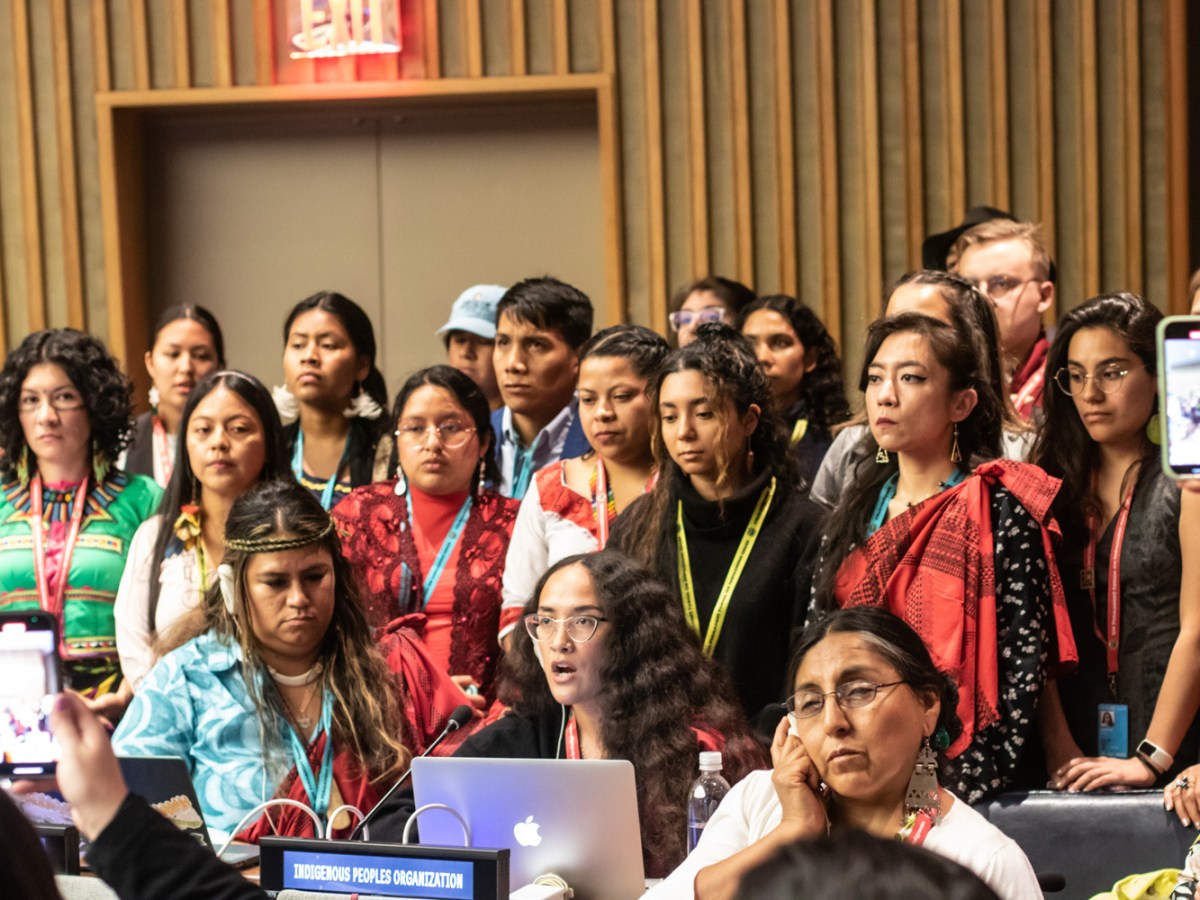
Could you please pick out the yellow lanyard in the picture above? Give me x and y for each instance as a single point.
(799, 431)
(686, 587)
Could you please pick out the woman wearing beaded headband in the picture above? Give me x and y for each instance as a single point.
(335, 395)
(264, 692)
(955, 542)
(66, 515)
(231, 440)
(433, 538)
(571, 504)
(868, 714)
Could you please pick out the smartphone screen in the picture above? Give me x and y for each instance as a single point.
(29, 680)
(1179, 394)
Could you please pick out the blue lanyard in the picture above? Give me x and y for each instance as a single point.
(298, 468)
(439, 562)
(887, 493)
(522, 470)
(318, 788)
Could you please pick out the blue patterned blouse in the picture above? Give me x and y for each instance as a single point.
(194, 704)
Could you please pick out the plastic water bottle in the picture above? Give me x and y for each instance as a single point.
(707, 792)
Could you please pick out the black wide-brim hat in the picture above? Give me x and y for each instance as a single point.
(935, 247)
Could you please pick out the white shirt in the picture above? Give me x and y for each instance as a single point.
(751, 810)
(553, 523)
(179, 593)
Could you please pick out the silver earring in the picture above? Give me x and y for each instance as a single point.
(923, 793)
(881, 457)
(479, 481)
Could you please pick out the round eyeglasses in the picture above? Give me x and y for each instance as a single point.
(451, 435)
(851, 695)
(1073, 382)
(686, 317)
(61, 401)
(579, 628)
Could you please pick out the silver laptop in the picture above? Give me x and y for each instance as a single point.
(576, 819)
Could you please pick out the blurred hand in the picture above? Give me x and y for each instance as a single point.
(89, 777)
(471, 691)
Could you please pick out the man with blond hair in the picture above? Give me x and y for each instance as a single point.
(1008, 262)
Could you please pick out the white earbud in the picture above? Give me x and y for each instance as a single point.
(225, 578)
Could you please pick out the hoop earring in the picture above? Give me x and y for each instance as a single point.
(955, 453)
(881, 457)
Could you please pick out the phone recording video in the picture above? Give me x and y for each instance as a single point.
(29, 681)
(1179, 393)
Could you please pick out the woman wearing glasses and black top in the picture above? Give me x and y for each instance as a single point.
(1133, 594)
(432, 539)
(604, 667)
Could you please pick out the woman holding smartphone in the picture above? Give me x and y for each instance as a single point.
(1132, 590)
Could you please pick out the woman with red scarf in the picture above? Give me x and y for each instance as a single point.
(954, 541)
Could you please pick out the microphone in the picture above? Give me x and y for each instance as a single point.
(461, 716)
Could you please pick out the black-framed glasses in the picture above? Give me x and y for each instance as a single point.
(851, 695)
(1000, 285)
(579, 628)
(1073, 381)
(685, 317)
(61, 400)
(450, 435)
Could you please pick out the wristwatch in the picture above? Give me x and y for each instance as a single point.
(1154, 756)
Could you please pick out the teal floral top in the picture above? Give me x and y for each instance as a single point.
(194, 704)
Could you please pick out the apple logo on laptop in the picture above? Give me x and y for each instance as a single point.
(526, 833)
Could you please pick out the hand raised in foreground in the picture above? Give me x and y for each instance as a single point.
(89, 777)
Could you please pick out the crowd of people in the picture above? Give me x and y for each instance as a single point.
(626, 545)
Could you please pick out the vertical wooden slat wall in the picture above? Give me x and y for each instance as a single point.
(787, 190)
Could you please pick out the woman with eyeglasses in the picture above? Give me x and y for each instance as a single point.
(67, 514)
(433, 539)
(710, 300)
(956, 542)
(571, 505)
(869, 716)
(604, 667)
(1132, 590)
(232, 440)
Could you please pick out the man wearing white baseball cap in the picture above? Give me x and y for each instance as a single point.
(470, 337)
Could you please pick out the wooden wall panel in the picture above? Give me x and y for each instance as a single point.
(800, 145)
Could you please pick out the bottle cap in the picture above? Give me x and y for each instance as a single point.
(710, 759)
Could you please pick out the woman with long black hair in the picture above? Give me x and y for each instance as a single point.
(1129, 563)
(726, 527)
(334, 397)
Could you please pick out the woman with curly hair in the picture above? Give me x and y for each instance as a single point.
(334, 398)
(231, 440)
(604, 667)
(571, 504)
(431, 541)
(869, 713)
(801, 363)
(1122, 518)
(265, 692)
(67, 515)
(726, 527)
(954, 541)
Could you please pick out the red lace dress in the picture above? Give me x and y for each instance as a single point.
(462, 617)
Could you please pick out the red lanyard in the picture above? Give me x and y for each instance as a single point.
(922, 824)
(604, 504)
(162, 448)
(1087, 580)
(573, 751)
(37, 526)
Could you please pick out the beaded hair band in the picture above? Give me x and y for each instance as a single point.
(274, 545)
